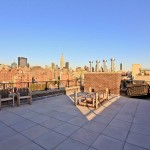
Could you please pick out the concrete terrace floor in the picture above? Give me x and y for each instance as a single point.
(55, 123)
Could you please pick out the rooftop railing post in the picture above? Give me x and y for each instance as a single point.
(68, 82)
(4, 86)
(46, 86)
(75, 98)
(58, 81)
(28, 84)
(76, 81)
(58, 84)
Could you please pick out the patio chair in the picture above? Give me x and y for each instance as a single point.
(24, 93)
(6, 95)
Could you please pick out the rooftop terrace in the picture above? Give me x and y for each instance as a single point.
(55, 123)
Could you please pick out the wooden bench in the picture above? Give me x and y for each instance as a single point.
(6, 95)
(24, 93)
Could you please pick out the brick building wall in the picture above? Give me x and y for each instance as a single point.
(101, 81)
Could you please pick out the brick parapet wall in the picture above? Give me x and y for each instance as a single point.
(100, 81)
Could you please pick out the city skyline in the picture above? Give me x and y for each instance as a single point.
(82, 30)
(109, 66)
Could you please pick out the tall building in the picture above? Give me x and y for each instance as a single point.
(52, 65)
(22, 62)
(62, 62)
(67, 65)
(112, 64)
(120, 66)
(56, 66)
(105, 65)
(14, 65)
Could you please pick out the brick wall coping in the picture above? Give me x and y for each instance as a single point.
(102, 73)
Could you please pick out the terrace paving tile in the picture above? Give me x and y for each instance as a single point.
(124, 117)
(24, 125)
(29, 114)
(34, 132)
(115, 132)
(52, 123)
(39, 118)
(31, 146)
(71, 144)
(140, 140)
(140, 129)
(106, 143)
(132, 147)
(103, 119)
(78, 121)
(141, 120)
(6, 133)
(60, 115)
(66, 129)
(108, 112)
(12, 119)
(121, 124)
(2, 125)
(95, 126)
(50, 140)
(13, 142)
(91, 148)
(85, 136)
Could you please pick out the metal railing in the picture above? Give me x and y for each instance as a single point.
(41, 85)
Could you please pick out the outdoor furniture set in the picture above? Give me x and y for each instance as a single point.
(12, 95)
(91, 99)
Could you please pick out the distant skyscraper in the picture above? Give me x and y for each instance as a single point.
(62, 62)
(52, 65)
(112, 64)
(67, 65)
(104, 65)
(120, 66)
(22, 62)
(56, 66)
(14, 65)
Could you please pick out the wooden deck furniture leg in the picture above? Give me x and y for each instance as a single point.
(0, 102)
(18, 99)
(30, 100)
(13, 100)
(96, 100)
(75, 98)
(107, 93)
(30, 93)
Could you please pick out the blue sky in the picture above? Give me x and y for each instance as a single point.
(82, 30)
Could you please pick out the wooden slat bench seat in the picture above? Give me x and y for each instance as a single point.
(5, 95)
(24, 93)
